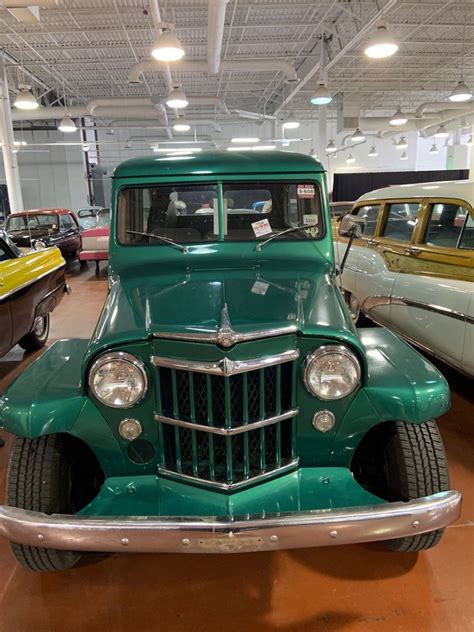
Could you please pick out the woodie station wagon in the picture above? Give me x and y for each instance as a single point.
(225, 402)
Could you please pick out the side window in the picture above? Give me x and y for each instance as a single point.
(4, 254)
(370, 213)
(445, 225)
(401, 220)
(66, 222)
(467, 239)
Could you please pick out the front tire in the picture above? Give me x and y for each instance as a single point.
(39, 479)
(38, 335)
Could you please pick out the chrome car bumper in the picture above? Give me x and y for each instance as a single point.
(222, 535)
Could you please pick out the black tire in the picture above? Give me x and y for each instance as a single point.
(38, 335)
(416, 466)
(39, 479)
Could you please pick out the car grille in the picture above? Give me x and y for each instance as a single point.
(226, 431)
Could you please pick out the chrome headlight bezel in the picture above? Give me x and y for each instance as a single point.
(118, 356)
(325, 350)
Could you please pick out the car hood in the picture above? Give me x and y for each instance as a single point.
(267, 296)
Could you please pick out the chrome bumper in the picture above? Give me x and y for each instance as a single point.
(221, 535)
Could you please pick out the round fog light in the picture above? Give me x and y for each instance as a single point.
(130, 429)
(324, 421)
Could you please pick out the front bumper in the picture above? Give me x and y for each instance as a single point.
(221, 535)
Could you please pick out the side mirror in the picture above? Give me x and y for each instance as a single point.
(352, 226)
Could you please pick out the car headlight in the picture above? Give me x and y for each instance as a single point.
(118, 379)
(331, 372)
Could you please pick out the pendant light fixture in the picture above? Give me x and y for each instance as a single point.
(181, 125)
(291, 122)
(461, 92)
(86, 147)
(350, 159)
(176, 98)
(441, 132)
(67, 125)
(402, 143)
(321, 95)
(381, 44)
(404, 156)
(434, 149)
(25, 100)
(373, 152)
(357, 136)
(331, 147)
(168, 47)
(398, 118)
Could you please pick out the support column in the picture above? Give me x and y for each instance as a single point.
(10, 162)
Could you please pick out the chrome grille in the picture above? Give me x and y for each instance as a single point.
(226, 430)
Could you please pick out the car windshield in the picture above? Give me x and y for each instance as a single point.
(41, 221)
(252, 211)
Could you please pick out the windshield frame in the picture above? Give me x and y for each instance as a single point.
(295, 179)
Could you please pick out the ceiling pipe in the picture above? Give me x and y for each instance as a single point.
(215, 33)
(241, 65)
(437, 105)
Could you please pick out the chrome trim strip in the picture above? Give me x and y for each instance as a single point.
(225, 366)
(200, 534)
(229, 487)
(227, 432)
(371, 302)
(216, 337)
(27, 283)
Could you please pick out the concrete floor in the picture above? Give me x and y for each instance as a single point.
(350, 588)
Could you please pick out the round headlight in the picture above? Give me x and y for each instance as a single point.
(118, 380)
(331, 372)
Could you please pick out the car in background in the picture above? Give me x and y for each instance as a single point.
(337, 211)
(412, 269)
(31, 286)
(44, 227)
(95, 241)
(87, 216)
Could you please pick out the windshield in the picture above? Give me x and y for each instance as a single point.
(252, 211)
(41, 222)
(103, 218)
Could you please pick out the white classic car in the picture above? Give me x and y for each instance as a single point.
(412, 269)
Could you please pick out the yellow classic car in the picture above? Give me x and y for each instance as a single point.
(32, 284)
(412, 268)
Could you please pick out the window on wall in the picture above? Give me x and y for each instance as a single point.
(446, 225)
(401, 220)
(370, 213)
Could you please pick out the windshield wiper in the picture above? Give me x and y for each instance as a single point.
(261, 244)
(165, 240)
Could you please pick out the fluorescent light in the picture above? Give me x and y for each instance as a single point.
(357, 136)
(264, 148)
(168, 47)
(177, 99)
(373, 152)
(243, 148)
(321, 95)
(434, 149)
(460, 93)
(25, 100)
(181, 125)
(381, 44)
(291, 122)
(252, 148)
(441, 132)
(398, 118)
(67, 125)
(402, 143)
(350, 159)
(404, 156)
(331, 147)
(175, 150)
(245, 140)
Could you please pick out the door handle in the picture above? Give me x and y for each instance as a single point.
(411, 250)
(372, 242)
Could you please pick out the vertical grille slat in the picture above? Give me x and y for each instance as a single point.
(228, 402)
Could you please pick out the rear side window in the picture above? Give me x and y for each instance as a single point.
(401, 220)
(445, 225)
(370, 213)
(467, 238)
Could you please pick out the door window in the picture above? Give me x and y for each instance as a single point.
(445, 225)
(370, 213)
(401, 220)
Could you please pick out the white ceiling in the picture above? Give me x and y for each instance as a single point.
(89, 47)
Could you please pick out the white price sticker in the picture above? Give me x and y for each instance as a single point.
(261, 228)
(310, 220)
(259, 287)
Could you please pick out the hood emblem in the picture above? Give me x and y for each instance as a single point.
(226, 336)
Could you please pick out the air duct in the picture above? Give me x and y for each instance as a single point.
(215, 33)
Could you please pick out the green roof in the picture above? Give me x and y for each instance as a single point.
(219, 163)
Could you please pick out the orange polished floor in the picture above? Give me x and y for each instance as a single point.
(352, 588)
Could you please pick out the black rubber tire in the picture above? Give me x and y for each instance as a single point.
(38, 479)
(416, 466)
(33, 341)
